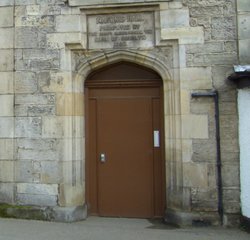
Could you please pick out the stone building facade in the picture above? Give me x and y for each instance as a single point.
(48, 50)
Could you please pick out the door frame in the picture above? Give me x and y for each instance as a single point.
(127, 84)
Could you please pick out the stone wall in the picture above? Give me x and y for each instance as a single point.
(46, 60)
(7, 156)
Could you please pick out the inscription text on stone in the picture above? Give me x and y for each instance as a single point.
(131, 30)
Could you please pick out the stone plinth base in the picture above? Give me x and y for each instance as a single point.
(245, 223)
(57, 214)
(190, 218)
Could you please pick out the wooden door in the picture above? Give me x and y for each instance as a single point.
(125, 171)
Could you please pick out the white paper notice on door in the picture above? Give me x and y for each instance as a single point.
(156, 138)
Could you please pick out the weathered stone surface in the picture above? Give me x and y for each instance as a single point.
(7, 149)
(6, 60)
(30, 127)
(174, 18)
(194, 126)
(71, 196)
(25, 2)
(6, 15)
(26, 38)
(6, 171)
(224, 28)
(210, 59)
(50, 172)
(58, 127)
(68, 23)
(87, 2)
(230, 175)
(70, 104)
(204, 150)
(38, 155)
(7, 105)
(6, 127)
(196, 78)
(184, 35)
(35, 21)
(42, 189)
(6, 82)
(37, 200)
(7, 193)
(36, 99)
(6, 38)
(25, 82)
(220, 73)
(243, 5)
(243, 51)
(195, 175)
(244, 29)
(208, 47)
(7, 3)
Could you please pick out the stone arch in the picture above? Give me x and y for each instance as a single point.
(103, 59)
(171, 98)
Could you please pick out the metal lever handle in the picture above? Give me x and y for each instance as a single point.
(102, 158)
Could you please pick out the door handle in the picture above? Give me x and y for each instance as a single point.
(102, 158)
(156, 138)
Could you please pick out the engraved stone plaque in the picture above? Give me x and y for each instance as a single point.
(123, 30)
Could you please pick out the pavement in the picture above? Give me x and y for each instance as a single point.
(96, 228)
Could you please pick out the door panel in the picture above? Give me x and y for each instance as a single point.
(125, 179)
(123, 108)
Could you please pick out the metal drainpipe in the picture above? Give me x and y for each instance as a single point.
(215, 96)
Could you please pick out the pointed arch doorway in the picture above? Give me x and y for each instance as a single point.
(125, 164)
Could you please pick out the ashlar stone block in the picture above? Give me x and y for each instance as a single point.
(42, 189)
(26, 37)
(58, 40)
(196, 78)
(243, 5)
(6, 127)
(35, 99)
(194, 126)
(6, 37)
(33, 10)
(38, 155)
(6, 171)
(6, 149)
(36, 200)
(244, 46)
(28, 127)
(71, 196)
(195, 175)
(25, 172)
(66, 126)
(7, 192)
(6, 82)
(7, 105)
(25, 82)
(174, 18)
(185, 35)
(68, 23)
(70, 104)
(6, 60)
(6, 3)
(6, 14)
(25, 2)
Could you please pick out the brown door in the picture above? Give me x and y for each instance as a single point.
(125, 167)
